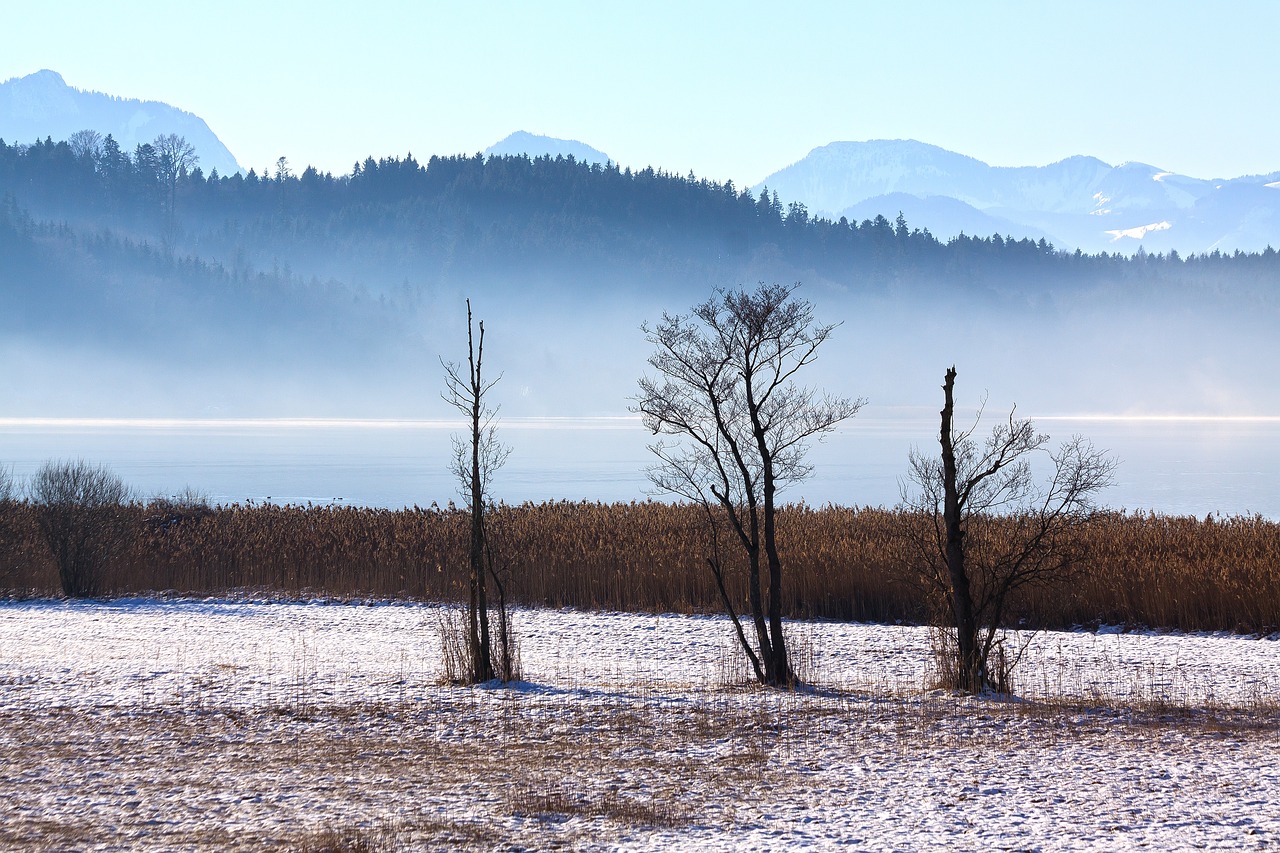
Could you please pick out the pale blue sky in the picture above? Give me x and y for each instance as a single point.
(726, 89)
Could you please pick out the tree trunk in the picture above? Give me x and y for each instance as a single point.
(718, 573)
(481, 649)
(778, 669)
(749, 535)
(969, 671)
(756, 600)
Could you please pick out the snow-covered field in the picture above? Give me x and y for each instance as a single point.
(171, 725)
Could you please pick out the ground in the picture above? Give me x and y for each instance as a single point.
(184, 725)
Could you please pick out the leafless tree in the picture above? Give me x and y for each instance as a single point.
(80, 511)
(86, 143)
(983, 526)
(476, 458)
(725, 388)
(175, 157)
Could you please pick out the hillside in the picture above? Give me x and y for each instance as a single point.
(316, 293)
(43, 106)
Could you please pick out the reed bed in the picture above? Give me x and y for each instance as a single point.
(839, 563)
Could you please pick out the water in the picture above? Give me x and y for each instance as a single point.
(1180, 466)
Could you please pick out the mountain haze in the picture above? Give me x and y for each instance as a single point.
(945, 217)
(313, 294)
(130, 288)
(42, 105)
(1080, 202)
(532, 145)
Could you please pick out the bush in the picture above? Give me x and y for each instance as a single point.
(80, 512)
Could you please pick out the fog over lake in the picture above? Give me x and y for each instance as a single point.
(1172, 465)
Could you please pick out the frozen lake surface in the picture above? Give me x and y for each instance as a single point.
(1178, 466)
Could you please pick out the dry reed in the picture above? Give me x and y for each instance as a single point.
(847, 564)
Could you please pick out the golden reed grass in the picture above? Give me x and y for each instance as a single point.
(847, 564)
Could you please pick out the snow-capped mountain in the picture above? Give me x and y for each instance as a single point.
(533, 145)
(42, 105)
(1077, 202)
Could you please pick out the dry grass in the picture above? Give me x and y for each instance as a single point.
(352, 839)
(464, 771)
(558, 801)
(453, 775)
(847, 564)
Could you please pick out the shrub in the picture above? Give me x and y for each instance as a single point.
(80, 511)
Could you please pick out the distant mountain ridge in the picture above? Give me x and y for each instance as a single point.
(533, 145)
(1080, 202)
(42, 105)
(112, 290)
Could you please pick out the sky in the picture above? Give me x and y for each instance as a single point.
(727, 90)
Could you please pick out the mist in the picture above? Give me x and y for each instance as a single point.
(571, 353)
(253, 306)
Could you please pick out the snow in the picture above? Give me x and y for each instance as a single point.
(235, 725)
(1159, 177)
(1140, 231)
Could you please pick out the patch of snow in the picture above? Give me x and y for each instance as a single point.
(84, 654)
(190, 725)
(1139, 232)
(1159, 177)
(1275, 185)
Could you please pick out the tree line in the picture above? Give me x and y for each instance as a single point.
(503, 212)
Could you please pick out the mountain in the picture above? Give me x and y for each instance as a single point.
(127, 291)
(942, 215)
(841, 174)
(533, 145)
(1079, 202)
(42, 105)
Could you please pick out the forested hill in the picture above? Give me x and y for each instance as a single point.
(135, 282)
(396, 221)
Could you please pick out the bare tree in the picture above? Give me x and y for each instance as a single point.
(86, 144)
(984, 526)
(475, 460)
(175, 157)
(725, 387)
(79, 507)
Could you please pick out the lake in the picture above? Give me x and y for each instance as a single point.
(1173, 465)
